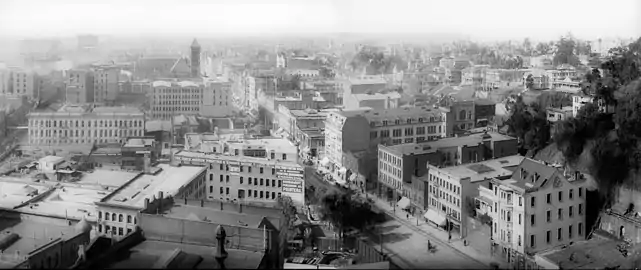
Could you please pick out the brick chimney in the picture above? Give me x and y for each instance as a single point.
(220, 254)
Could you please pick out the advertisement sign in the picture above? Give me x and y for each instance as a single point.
(289, 173)
(293, 186)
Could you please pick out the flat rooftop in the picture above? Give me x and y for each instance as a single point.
(139, 142)
(197, 213)
(147, 254)
(13, 194)
(378, 96)
(484, 170)
(106, 178)
(33, 234)
(433, 146)
(67, 202)
(596, 253)
(169, 180)
(309, 113)
(269, 162)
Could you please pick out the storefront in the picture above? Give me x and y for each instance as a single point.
(435, 217)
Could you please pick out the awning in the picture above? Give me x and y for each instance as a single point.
(342, 170)
(435, 217)
(403, 203)
(324, 161)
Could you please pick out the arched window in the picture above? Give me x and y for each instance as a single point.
(120, 218)
(113, 216)
(128, 218)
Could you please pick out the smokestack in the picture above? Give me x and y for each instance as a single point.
(221, 254)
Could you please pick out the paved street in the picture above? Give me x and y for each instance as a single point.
(405, 244)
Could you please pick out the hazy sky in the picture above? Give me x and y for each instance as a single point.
(485, 19)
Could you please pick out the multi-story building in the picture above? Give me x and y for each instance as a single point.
(5, 74)
(452, 188)
(540, 80)
(290, 120)
(209, 98)
(461, 117)
(580, 100)
(399, 166)
(541, 206)
(80, 87)
(484, 112)
(81, 125)
(106, 81)
(344, 130)
(119, 212)
(311, 142)
(254, 170)
(22, 83)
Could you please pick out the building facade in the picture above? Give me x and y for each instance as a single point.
(78, 125)
(450, 189)
(209, 98)
(21, 83)
(248, 179)
(80, 87)
(106, 81)
(539, 208)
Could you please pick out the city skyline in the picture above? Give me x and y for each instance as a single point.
(480, 20)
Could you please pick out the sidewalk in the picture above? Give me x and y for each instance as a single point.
(441, 236)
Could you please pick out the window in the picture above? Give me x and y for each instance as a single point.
(227, 191)
(580, 231)
(273, 171)
(580, 209)
(533, 202)
(261, 181)
(249, 180)
(548, 198)
(211, 189)
(560, 196)
(520, 201)
(284, 156)
(121, 231)
(272, 156)
(559, 234)
(227, 178)
(532, 220)
(548, 216)
(532, 240)
(261, 169)
(267, 182)
(128, 218)
(571, 194)
(580, 192)
(571, 211)
(280, 183)
(113, 216)
(221, 190)
(261, 194)
(241, 180)
(99, 215)
(106, 215)
(548, 236)
(560, 214)
(249, 169)
(221, 178)
(519, 219)
(519, 240)
(211, 177)
(570, 232)
(273, 183)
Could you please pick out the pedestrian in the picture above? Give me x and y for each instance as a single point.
(407, 216)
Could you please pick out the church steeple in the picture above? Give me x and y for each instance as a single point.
(195, 59)
(194, 44)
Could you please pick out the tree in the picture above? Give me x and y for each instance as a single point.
(527, 47)
(543, 48)
(326, 72)
(529, 124)
(529, 82)
(565, 49)
(346, 210)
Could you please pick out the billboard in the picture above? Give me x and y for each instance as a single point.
(292, 178)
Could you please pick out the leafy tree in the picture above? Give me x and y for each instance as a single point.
(326, 72)
(565, 49)
(543, 48)
(529, 124)
(527, 46)
(345, 210)
(529, 82)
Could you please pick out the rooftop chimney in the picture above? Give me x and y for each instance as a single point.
(221, 254)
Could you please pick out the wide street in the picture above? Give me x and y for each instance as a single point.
(406, 247)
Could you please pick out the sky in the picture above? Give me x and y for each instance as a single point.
(479, 19)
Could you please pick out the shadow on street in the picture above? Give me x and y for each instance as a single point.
(384, 229)
(389, 238)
